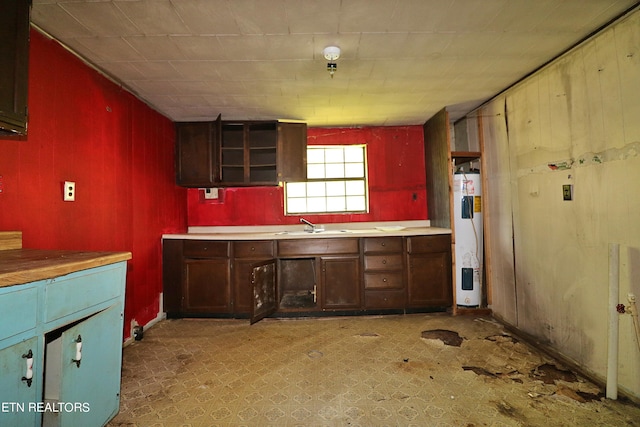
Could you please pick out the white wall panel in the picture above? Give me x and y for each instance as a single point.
(576, 122)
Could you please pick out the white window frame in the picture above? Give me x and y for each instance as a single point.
(334, 184)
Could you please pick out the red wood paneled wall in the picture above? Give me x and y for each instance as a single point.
(120, 153)
(395, 157)
(84, 128)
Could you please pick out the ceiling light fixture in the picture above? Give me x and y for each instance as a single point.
(331, 53)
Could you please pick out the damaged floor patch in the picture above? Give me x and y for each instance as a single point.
(512, 376)
(502, 338)
(447, 337)
(549, 374)
(315, 354)
(577, 395)
(479, 371)
(368, 334)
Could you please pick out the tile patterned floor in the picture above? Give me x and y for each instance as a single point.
(350, 371)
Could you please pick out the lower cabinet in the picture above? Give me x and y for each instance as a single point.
(340, 282)
(263, 287)
(64, 369)
(242, 289)
(384, 279)
(21, 380)
(245, 255)
(319, 274)
(206, 286)
(311, 275)
(429, 281)
(74, 358)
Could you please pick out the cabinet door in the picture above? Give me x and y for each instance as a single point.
(263, 281)
(196, 153)
(15, 390)
(14, 67)
(91, 361)
(292, 152)
(242, 286)
(247, 253)
(340, 282)
(207, 286)
(430, 280)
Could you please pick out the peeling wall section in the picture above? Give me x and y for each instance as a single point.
(575, 122)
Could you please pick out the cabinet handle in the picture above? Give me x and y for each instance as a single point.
(384, 261)
(384, 279)
(28, 376)
(78, 358)
(383, 244)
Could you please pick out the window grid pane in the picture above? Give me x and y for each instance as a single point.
(336, 182)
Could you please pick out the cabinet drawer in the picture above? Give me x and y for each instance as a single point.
(18, 305)
(424, 244)
(318, 246)
(79, 291)
(383, 281)
(383, 244)
(384, 299)
(205, 249)
(253, 249)
(383, 262)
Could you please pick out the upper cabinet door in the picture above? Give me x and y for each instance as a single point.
(196, 153)
(14, 67)
(292, 152)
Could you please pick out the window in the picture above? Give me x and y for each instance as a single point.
(336, 181)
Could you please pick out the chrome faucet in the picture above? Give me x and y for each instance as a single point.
(311, 227)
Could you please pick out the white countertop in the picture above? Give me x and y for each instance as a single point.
(278, 232)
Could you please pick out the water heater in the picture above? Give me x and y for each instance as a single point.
(467, 222)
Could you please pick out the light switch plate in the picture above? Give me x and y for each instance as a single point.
(567, 192)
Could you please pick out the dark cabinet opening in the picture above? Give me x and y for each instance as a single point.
(298, 288)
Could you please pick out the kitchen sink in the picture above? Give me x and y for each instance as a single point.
(325, 232)
(302, 233)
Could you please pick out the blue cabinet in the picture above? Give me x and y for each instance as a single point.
(20, 383)
(84, 371)
(71, 326)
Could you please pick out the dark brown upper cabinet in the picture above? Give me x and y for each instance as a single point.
(292, 152)
(14, 66)
(196, 153)
(240, 153)
(262, 153)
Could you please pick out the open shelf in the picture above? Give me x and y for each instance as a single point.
(465, 156)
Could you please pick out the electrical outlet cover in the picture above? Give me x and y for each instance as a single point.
(69, 191)
(210, 193)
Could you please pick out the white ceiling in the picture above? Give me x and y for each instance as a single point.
(402, 60)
